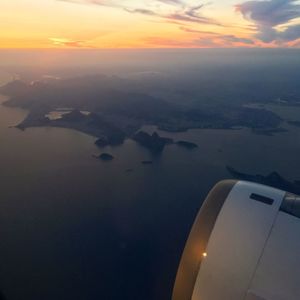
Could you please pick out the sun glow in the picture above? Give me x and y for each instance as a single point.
(141, 24)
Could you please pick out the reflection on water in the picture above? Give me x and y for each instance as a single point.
(73, 227)
(58, 114)
(286, 112)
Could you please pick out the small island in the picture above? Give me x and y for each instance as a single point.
(268, 131)
(154, 142)
(187, 145)
(105, 157)
(294, 123)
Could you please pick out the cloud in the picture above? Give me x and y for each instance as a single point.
(225, 39)
(291, 33)
(171, 1)
(181, 13)
(68, 43)
(96, 2)
(169, 42)
(295, 44)
(203, 42)
(270, 13)
(190, 14)
(115, 3)
(142, 11)
(267, 15)
(191, 30)
(185, 17)
(235, 39)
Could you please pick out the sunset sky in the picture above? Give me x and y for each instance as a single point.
(149, 24)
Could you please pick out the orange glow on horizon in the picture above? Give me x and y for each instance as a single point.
(63, 24)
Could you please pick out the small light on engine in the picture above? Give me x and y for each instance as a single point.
(204, 254)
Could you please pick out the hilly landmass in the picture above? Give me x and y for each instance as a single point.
(116, 110)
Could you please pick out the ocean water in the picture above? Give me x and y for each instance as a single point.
(73, 227)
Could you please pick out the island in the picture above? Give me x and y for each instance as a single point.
(154, 142)
(273, 179)
(147, 162)
(187, 145)
(294, 123)
(268, 131)
(104, 157)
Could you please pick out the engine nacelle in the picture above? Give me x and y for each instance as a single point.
(244, 245)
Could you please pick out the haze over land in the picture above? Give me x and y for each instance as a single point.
(213, 89)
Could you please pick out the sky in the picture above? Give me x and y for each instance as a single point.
(149, 24)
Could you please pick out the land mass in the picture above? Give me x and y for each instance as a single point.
(273, 179)
(117, 111)
(294, 123)
(105, 157)
(154, 142)
(268, 131)
(187, 145)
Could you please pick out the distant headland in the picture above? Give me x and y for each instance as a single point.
(273, 179)
(115, 114)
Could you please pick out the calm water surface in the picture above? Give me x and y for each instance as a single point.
(72, 227)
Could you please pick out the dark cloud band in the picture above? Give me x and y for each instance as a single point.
(271, 13)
